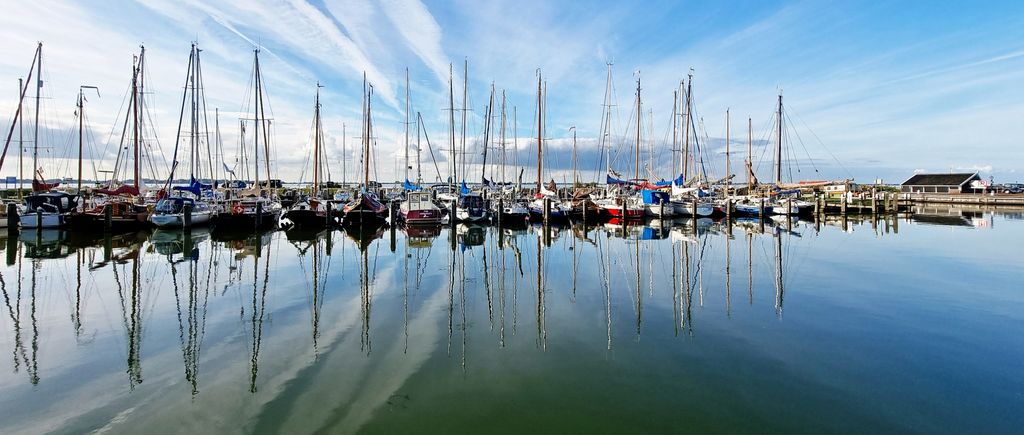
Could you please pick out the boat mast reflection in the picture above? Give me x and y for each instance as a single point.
(192, 329)
(258, 309)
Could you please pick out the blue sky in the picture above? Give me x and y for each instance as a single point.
(873, 89)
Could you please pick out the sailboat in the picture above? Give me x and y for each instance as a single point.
(365, 208)
(45, 207)
(656, 201)
(126, 205)
(256, 207)
(686, 200)
(579, 205)
(310, 211)
(616, 201)
(785, 202)
(468, 205)
(547, 192)
(418, 207)
(507, 210)
(179, 209)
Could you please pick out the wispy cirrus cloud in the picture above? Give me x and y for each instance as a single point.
(862, 83)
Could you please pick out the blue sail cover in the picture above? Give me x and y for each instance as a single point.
(410, 186)
(678, 182)
(654, 197)
(194, 186)
(612, 180)
(464, 190)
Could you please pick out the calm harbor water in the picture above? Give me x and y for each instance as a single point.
(908, 326)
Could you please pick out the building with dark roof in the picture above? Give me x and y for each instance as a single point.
(943, 183)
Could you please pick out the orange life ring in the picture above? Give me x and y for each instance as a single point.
(237, 208)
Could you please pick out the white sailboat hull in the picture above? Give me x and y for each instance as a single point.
(177, 220)
(41, 220)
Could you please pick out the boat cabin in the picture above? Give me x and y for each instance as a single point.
(419, 200)
(51, 202)
(471, 201)
(840, 189)
(174, 204)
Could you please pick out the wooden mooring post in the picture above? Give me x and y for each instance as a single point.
(108, 217)
(547, 211)
(259, 214)
(762, 214)
(186, 219)
(728, 216)
(12, 219)
(392, 224)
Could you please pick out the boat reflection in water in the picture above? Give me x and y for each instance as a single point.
(196, 317)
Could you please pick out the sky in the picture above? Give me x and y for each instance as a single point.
(872, 90)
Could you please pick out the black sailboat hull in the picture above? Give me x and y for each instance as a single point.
(309, 218)
(247, 221)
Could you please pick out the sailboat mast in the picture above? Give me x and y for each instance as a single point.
(256, 115)
(728, 167)
(39, 85)
(366, 141)
(540, 140)
(515, 147)
(407, 124)
(575, 175)
(419, 172)
(451, 113)
(266, 128)
(219, 146)
(194, 118)
(675, 132)
(21, 141)
(81, 127)
(135, 119)
(606, 133)
(778, 145)
(750, 161)
(316, 143)
(503, 122)
(636, 159)
(465, 108)
(344, 155)
(686, 129)
(488, 133)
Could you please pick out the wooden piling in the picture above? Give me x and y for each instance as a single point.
(547, 211)
(501, 209)
(12, 219)
(259, 214)
(625, 216)
(186, 221)
(108, 217)
(693, 215)
(728, 216)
